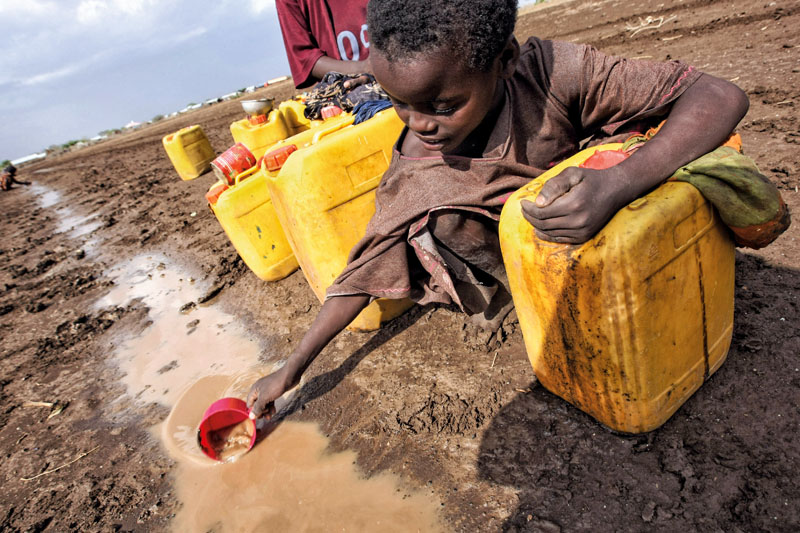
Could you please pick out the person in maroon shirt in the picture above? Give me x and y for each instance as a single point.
(324, 36)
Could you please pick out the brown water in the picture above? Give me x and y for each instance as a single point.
(288, 481)
(177, 348)
(67, 220)
(232, 441)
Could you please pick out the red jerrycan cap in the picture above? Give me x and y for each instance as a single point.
(276, 158)
(226, 430)
(255, 120)
(603, 159)
(331, 111)
(215, 192)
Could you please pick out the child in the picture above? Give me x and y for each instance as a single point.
(483, 117)
(8, 178)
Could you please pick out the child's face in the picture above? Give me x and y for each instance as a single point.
(440, 99)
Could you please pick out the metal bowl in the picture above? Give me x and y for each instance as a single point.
(261, 106)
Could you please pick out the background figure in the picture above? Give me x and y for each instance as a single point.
(7, 178)
(324, 36)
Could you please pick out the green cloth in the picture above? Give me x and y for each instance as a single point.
(747, 202)
(731, 181)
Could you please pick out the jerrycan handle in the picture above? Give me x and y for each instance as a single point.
(242, 175)
(533, 189)
(336, 127)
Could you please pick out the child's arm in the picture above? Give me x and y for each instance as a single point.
(335, 315)
(573, 206)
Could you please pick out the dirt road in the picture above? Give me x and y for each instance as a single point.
(447, 409)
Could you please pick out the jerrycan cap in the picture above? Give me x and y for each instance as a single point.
(331, 111)
(215, 192)
(603, 159)
(255, 120)
(276, 158)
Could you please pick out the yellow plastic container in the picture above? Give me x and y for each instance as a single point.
(258, 137)
(629, 324)
(325, 195)
(190, 152)
(286, 121)
(246, 212)
(248, 217)
(318, 130)
(293, 112)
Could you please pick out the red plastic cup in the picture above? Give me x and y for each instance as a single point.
(223, 413)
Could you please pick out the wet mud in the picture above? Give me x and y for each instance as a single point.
(428, 405)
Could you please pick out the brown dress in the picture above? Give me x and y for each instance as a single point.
(433, 237)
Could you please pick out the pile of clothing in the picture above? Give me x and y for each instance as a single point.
(362, 96)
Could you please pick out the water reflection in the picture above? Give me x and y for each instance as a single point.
(177, 348)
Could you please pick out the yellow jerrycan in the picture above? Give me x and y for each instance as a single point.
(317, 130)
(245, 212)
(293, 112)
(325, 195)
(629, 324)
(259, 132)
(189, 151)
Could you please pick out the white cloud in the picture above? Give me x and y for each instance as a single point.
(134, 7)
(64, 71)
(259, 6)
(97, 11)
(29, 7)
(91, 11)
(197, 32)
(50, 76)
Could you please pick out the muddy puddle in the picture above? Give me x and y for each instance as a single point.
(289, 481)
(75, 225)
(45, 196)
(179, 346)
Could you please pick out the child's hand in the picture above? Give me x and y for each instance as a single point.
(573, 206)
(264, 392)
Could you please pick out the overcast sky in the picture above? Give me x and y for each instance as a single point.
(70, 69)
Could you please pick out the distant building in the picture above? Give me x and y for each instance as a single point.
(29, 158)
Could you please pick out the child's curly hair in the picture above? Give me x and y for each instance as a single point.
(475, 30)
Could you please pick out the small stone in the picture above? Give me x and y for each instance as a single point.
(649, 512)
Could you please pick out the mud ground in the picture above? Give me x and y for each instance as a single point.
(427, 397)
